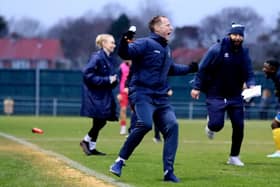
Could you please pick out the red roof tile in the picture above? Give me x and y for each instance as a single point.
(185, 56)
(33, 49)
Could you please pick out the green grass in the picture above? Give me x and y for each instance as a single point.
(18, 170)
(199, 161)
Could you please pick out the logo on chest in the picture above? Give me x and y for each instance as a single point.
(226, 55)
(157, 51)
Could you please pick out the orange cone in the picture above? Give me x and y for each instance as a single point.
(37, 130)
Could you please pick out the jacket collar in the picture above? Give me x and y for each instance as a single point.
(159, 39)
(105, 54)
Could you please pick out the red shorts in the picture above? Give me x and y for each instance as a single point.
(124, 100)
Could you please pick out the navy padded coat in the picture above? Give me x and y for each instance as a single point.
(98, 100)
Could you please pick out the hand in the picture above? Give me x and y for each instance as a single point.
(195, 93)
(119, 97)
(128, 36)
(193, 67)
(170, 92)
(277, 93)
(113, 78)
(125, 90)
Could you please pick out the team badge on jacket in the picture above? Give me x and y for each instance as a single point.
(226, 55)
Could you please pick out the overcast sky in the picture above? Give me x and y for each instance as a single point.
(181, 12)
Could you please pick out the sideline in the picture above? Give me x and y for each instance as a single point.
(66, 160)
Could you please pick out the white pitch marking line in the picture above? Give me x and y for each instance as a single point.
(68, 161)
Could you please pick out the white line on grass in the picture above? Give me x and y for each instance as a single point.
(226, 142)
(183, 141)
(70, 162)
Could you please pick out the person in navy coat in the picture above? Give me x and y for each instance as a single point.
(98, 102)
(222, 73)
(151, 65)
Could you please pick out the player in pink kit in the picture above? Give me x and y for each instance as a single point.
(123, 95)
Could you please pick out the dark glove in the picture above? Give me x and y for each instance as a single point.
(128, 36)
(277, 93)
(193, 67)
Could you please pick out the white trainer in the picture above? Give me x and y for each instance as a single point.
(274, 155)
(123, 130)
(210, 134)
(156, 140)
(235, 160)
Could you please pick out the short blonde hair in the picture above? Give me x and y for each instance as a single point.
(101, 38)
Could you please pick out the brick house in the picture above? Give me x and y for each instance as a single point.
(186, 56)
(31, 53)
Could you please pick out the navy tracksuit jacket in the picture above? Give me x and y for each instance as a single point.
(222, 73)
(152, 64)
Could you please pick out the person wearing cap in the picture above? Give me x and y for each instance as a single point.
(272, 71)
(151, 65)
(222, 72)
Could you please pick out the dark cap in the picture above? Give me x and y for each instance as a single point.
(237, 29)
(273, 63)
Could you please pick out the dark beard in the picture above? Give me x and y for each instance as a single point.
(236, 45)
(269, 75)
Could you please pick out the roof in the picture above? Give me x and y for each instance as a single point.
(185, 55)
(31, 49)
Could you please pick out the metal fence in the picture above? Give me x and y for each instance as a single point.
(71, 107)
(57, 92)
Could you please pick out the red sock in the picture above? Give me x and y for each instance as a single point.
(123, 122)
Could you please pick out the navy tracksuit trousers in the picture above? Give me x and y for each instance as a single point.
(216, 112)
(164, 118)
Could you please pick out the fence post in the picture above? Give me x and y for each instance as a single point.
(8, 104)
(37, 91)
(54, 106)
(191, 110)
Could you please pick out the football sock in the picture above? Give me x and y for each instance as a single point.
(123, 122)
(120, 158)
(87, 138)
(92, 145)
(276, 137)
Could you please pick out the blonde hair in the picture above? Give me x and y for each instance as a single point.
(101, 38)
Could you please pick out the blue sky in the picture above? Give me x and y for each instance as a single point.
(181, 12)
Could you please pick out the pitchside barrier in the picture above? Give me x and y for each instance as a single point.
(57, 93)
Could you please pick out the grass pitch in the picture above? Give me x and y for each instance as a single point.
(199, 161)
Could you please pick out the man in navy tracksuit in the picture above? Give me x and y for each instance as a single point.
(221, 75)
(152, 63)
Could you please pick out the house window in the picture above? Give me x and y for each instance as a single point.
(20, 64)
(42, 64)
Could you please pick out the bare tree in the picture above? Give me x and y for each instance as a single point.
(78, 35)
(187, 36)
(149, 9)
(26, 27)
(216, 26)
(78, 38)
(111, 10)
(273, 42)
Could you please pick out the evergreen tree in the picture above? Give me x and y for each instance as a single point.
(119, 26)
(3, 27)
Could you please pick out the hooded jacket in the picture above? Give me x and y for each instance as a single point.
(223, 71)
